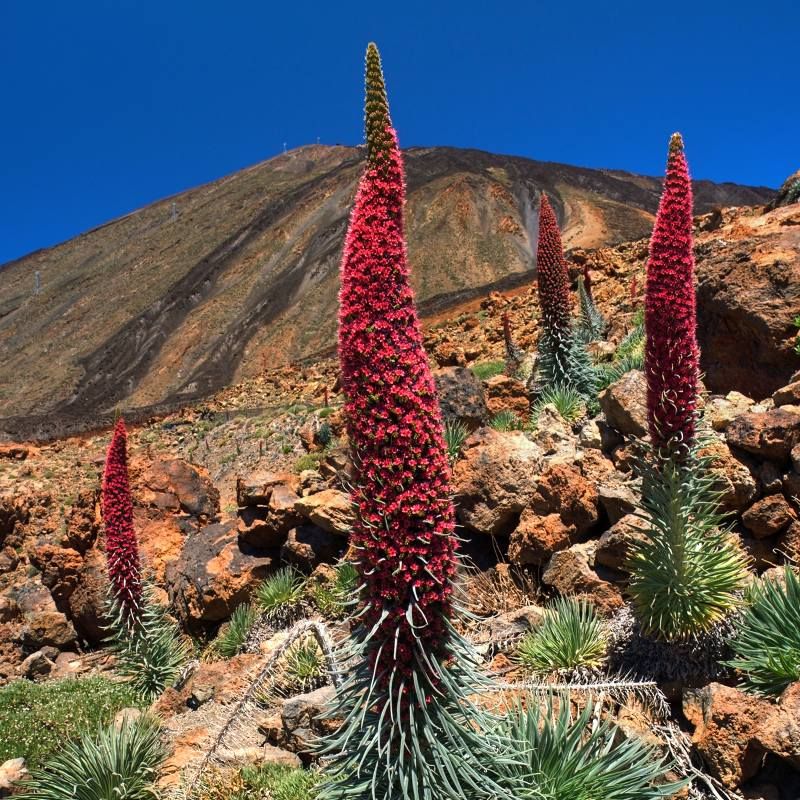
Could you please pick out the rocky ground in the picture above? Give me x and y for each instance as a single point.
(256, 477)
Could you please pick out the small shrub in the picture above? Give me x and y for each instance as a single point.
(567, 401)
(324, 434)
(767, 641)
(488, 369)
(114, 763)
(234, 634)
(505, 420)
(280, 597)
(37, 718)
(455, 432)
(571, 636)
(556, 757)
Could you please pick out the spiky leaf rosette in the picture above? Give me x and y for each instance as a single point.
(687, 573)
(407, 729)
(563, 358)
(592, 325)
(122, 548)
(671, 352)
(577, 758)
(767, 639)
(150, 650)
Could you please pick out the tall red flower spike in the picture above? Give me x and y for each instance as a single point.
(122, 548)
(587, 281)
(671, 352)
(552, 274)
(404, 532)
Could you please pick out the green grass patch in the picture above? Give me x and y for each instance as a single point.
(267, 782)
(488, 369)
(308, 461)
(36, 719)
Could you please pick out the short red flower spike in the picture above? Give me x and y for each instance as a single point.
(552, 274)
(405, 517)
(122, 548)
(671, 352)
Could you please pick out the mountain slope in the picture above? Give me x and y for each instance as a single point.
(190, 293)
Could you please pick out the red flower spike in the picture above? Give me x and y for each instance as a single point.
(122, 548)
(671, 352)
(587, 281)
(407, 552)
(552, 274)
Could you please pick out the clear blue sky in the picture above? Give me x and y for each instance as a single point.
(110, 104)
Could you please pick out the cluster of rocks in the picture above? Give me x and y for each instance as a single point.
(301, 520)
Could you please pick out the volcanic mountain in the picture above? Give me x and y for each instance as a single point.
(208, 287)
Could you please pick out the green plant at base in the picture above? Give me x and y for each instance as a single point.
(488, 369)
(687, 573)
(455, 432)
(303, 670)
(333, 600)
(570, 759)
(570, 636)
(234, 634)
(566, 365)
(567, 401)
(114, 763)
(37, 718)
(505, 420)
(150, 650)
(280, 597)
(767, 641)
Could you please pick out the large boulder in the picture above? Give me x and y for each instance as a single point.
(215, 573)
(614, 544)
(734, 731)
(188, 484)
(769, 435)
(495, 479)
(727, 724)
(748, 293)
(769, 516)
(732, 476)
(572, 572)
(624, 404)
(461, 396)
(329, 509)
(506, 393)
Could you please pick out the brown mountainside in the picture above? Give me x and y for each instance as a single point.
(173, 302)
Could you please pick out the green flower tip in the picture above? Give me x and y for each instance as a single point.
(376, 107)
(676, 143)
